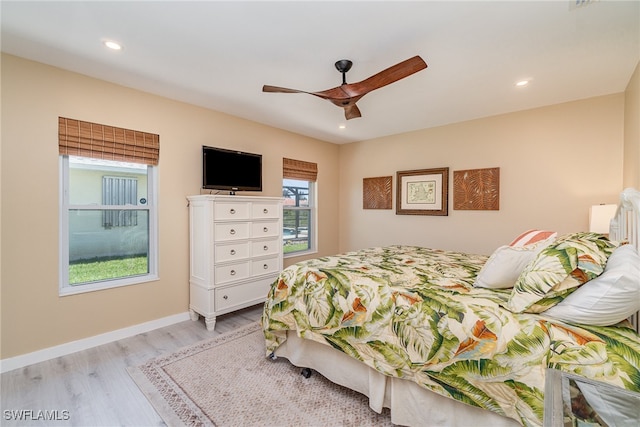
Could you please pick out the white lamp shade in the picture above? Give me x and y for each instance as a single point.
(600, 217)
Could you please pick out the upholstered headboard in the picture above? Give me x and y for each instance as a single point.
(625, 226)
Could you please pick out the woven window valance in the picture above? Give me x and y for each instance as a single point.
(86, 139)
(298, 169)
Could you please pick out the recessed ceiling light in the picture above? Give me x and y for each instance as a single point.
(522, 83)
(342, 126)
(112, 45)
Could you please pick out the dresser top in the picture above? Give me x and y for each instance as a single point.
(233, 198)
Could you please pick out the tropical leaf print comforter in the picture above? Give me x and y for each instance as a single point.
(413, 313)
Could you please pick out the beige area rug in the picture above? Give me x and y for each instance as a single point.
(228, 381)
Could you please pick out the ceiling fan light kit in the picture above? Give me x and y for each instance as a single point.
(347, 94)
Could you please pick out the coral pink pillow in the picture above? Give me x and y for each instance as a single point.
(532, 236)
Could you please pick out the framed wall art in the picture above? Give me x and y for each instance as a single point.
(423, 192)
(377, 192)
(476, 189)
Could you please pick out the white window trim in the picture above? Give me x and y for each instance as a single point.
(313, 232)
(152, 205)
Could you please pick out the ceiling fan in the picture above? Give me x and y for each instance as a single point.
(347, 94)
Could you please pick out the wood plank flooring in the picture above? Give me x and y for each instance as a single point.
(92, 387)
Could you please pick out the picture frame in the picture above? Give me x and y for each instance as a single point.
(423, 192)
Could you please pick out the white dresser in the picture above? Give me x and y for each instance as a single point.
(235, 252)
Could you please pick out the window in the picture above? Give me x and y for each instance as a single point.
(298, 215)
(119, 190)
(108, 211)
(298, 189)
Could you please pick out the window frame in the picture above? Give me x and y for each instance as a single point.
(313, 226)
(152, 257)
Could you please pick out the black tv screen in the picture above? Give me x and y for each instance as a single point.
(231, 170)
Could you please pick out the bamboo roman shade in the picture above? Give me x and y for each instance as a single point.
(86, 139)
(298, 169)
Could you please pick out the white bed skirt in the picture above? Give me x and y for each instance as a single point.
(410, 404)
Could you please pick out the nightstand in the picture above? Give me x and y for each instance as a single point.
(573, 401)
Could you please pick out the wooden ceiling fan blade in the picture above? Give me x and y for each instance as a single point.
(388, 76)
(276, 89)
(352, 112)
(328, 94)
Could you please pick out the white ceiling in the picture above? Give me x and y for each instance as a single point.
(219, 54)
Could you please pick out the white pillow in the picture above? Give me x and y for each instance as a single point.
(502, 269)
(609, 298)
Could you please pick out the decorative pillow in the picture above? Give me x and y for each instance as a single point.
(504, 266)
(558, 270)
(609, 298)
(532, 236)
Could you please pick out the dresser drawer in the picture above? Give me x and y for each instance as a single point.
(265, 229)
(232, 210)
(266, 247)
(232, 251)
(265, 210)
(229, 272)
(232, 231)
(240, 294)
(265, 266)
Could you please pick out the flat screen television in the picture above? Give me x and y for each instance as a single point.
(231, 170)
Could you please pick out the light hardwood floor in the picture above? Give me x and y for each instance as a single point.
(93, 385)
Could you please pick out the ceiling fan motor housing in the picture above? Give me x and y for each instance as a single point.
(343, 66)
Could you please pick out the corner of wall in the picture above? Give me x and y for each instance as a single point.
(631, 153)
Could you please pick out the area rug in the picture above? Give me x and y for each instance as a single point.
(228, 381)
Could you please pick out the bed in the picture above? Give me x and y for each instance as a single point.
(449, 338)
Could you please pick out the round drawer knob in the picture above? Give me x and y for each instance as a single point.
(232, 211)
(265, 211)
(265, 229)
(233, 251)
(225, 297)
(233, 272)
(265, 247)
(232, 231)
(265, 266)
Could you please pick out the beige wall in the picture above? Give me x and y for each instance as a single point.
(631, 166)
(554, 163)
(33, 96)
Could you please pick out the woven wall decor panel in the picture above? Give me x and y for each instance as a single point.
(476, 189)
(376, 192)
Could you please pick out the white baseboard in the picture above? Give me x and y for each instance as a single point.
(23, 360)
